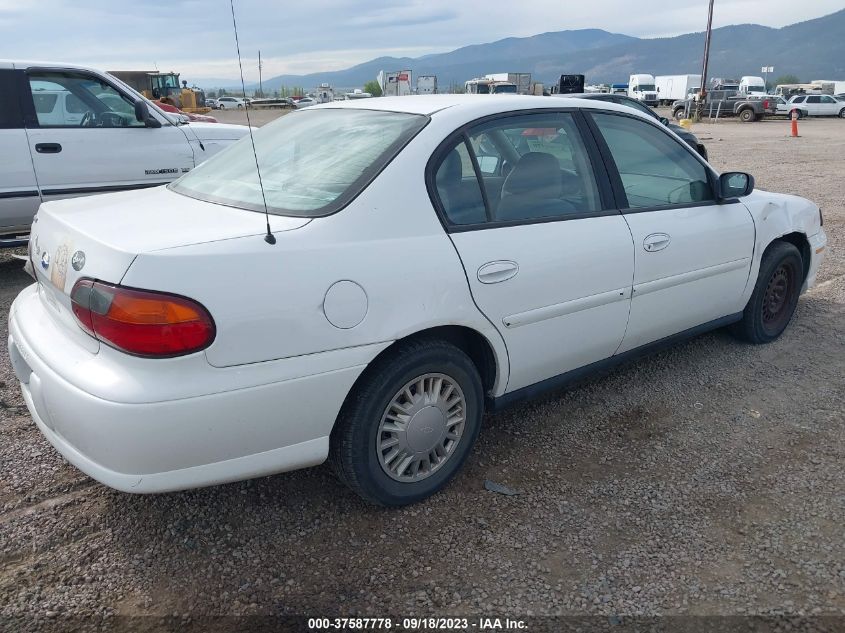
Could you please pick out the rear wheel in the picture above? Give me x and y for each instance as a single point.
(747, 115)
(775, 295)
(409, 424)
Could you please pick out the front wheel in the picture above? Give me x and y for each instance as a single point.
(842, 113)
(678, 114)
(775, 296)
(409, 424)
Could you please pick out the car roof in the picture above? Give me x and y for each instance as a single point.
(469, 105)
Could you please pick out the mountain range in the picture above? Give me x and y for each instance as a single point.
(814, 49)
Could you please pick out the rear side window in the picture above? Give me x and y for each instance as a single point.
(458, 189)
(10, 113)
(656, 170)
(531, 167)
(312, 161)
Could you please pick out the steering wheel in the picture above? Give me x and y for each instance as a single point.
(87, 119)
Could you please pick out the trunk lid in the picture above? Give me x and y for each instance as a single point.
(99, 237)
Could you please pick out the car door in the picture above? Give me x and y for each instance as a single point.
(548, 261)
(692, 253)
(19, 197)
(84, 137)
(829, 106)
(814, 105)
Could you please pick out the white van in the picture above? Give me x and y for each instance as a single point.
(67, 131)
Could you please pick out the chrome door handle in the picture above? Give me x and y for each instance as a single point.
(656, 242)
(498, 271)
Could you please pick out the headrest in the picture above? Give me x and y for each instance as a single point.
(536, 174)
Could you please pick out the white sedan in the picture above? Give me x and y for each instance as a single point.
(422, 260)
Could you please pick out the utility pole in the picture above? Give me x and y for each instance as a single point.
(703, 92)
(260, 84)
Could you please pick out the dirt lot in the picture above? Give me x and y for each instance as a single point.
(706, 480)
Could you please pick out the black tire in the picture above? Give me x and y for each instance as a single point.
(800, 114)
(775, 295)
(842, 113)
(678, 113)
(747, 115)
(353, 454)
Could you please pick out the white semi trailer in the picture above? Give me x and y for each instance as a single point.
(427, 85)
(395, 84)
(671, 88)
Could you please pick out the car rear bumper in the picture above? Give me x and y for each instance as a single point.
(176, 443)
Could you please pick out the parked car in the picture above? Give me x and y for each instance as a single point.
(231, 103)
(211, 103)
(687, 136)
(305, 102)
(419, 260)
(68, 130)
(819, 105)
(785, 109)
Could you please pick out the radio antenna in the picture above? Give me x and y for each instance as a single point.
(268, 237)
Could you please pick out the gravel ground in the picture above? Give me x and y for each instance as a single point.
(706, 480)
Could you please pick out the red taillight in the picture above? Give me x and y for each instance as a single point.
(141, 322)
(766, 104)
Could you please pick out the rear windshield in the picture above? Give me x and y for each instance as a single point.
(312, 162)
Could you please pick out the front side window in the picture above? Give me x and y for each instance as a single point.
(655, 169)
(75, 99)
(312, 161)
(813, 99)
(532, 167)
(798, 99)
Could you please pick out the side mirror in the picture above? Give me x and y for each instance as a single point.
(735, 184)
(664, 120)
(142, 114)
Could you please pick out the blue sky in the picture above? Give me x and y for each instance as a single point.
(195, 37)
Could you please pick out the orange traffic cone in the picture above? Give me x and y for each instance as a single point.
(795, 123)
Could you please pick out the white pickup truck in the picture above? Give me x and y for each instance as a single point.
(67, 131)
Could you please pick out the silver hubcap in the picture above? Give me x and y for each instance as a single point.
(421, 427)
